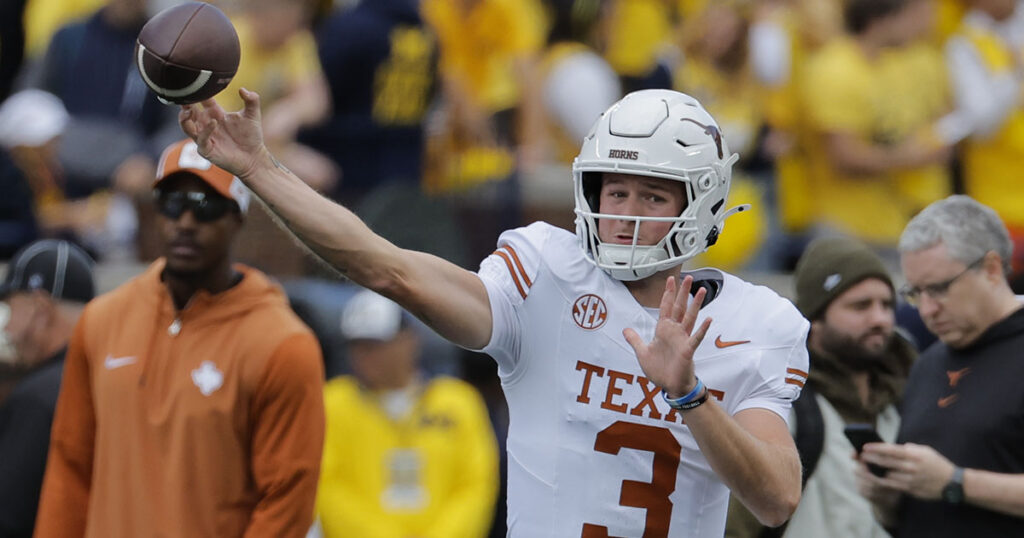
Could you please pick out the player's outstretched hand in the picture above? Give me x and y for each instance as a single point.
(231, 140)
(668, 359)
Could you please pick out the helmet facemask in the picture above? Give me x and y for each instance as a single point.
(661, 134)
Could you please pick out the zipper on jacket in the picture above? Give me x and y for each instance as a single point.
(175, 327)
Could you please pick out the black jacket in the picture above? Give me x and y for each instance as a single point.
(968, 404)
(25, 418)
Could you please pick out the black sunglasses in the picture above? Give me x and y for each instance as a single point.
(205, 207)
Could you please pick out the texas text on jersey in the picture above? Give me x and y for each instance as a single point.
(593, 449)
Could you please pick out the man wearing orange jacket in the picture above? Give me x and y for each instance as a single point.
(192, 396)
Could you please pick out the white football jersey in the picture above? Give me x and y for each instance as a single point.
(593, 449)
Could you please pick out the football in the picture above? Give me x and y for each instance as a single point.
(187, 53)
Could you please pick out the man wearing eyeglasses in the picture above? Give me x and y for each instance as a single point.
(957, 468)
(192, 402)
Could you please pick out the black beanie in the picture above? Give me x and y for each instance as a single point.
(828, 267)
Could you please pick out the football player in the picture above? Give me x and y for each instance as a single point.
(599, 336)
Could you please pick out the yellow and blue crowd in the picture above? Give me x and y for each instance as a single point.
(443, 122)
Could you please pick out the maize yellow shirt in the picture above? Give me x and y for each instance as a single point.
(432, 473)
(637, 35)
(883, 101)
(271, 73)
(780, 106)
(479, 45)
(44, 17)
(993, 164)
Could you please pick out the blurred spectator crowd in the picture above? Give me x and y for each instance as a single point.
(443, 122)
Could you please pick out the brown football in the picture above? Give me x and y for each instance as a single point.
(187, 53)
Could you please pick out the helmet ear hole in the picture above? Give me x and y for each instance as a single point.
(706, 182)
(592, 189)
(689, 241)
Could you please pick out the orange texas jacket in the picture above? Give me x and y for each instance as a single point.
(207, 422)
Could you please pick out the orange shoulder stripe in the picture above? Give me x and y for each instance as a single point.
(519, 265)
(795, 371)
(512, 271)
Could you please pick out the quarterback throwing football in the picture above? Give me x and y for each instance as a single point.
(640, 395)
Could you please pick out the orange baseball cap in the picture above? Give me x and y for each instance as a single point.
(183, 156)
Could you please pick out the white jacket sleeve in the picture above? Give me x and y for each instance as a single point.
(984, 99)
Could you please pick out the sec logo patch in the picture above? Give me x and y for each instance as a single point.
(589, 312)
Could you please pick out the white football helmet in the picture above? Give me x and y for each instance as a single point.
(663, 134)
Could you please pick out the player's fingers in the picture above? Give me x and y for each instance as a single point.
(187, 118)
(252, 104)
(679, 303)
(690, 318)
(191, 112)
(667, 298)
(203, 138)
(634, 340)
(698, 336)
(187, 126)
(214, 110)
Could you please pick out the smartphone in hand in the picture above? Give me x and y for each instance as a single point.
(861, 434)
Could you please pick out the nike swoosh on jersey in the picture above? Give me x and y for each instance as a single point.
(948, 400)
(112, 363)
(719, 343)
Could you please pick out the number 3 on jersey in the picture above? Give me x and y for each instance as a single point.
(653, 495)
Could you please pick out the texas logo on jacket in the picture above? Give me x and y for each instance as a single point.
(203, 409)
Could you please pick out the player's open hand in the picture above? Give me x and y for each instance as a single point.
(231, 140)
(668, 359)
